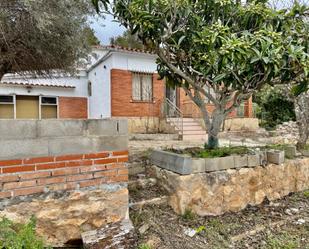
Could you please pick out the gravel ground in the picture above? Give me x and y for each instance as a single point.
(283, 224)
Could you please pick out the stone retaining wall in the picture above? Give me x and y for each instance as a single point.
(215, 193)
(71, 175)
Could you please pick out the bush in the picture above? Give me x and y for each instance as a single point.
(273, 107)
(19, 236)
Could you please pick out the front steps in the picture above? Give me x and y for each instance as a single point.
(192, 130)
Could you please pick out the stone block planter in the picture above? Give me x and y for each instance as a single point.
(185, 164)
(290, 151)
(275, 156)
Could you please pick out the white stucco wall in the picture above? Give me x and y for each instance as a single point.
(135, 62)
(100, 101)
(79, 81)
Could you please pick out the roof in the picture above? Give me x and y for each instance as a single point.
(26, 84)
(123, 49)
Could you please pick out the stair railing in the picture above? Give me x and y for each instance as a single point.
(170, 110)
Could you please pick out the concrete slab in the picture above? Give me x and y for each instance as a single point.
(60, 128)
(253, 160)
(181, 164)
(240, 161)
(219, 163)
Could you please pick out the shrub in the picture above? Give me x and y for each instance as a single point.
(19, 236)
(274, 107)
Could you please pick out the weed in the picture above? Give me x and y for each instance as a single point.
(224, 151)
(200, 229)
(19, 236)
(188, 215)
(144, 246)
(306, 193)
(282, 241)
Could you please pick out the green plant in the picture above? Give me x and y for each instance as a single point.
(200, 229)
(144, 246)
(188, 215)
(274, 107)
(283, 241)
(306, 193)
(223, 151)
(19, 236)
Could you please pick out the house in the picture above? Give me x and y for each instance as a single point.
(117, 82)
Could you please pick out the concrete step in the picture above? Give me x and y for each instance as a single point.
(194, 132)
(193, 128)
(194, 137)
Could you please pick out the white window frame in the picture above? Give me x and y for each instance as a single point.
(8, 103)
(43, 104)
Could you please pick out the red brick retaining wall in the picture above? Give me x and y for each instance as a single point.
(28, 176)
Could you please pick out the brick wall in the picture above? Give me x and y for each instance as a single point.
(73, 108)
(28, 176)
(121, 96)
(189, 109)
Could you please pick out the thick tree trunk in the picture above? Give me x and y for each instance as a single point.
(214, 128)
(301, 105)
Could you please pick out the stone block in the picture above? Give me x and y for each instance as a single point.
(107, 127)
(254, 160)
(275, 156)
(22, 148)
(290, 151)
(181, 164)
(61, 128)
(219, 163)
(240, 161)
(18, 129)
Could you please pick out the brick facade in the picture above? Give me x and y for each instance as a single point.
(73, 108)
(189, 109)
(28, 176)
(121, 96)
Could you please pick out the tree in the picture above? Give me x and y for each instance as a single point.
(90, 36)
(127, 40)
(40, 36)
(221, 51)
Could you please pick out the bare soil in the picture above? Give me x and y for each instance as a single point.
(283, 224)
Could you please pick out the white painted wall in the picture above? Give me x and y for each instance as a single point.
(134, 62)
(100, 101)
(80, 83)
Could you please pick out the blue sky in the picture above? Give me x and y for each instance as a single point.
(106, 28)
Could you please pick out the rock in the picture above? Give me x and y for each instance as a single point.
(288, 212)
(117, 235)
(214, 193)
(62, 217)
(190, 232)
(153, 242)
(294, 210)
(143, 228)
(300, 222)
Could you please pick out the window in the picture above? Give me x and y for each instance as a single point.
(49, 107)
(27, 107)
(142, 87)
(7, 107)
